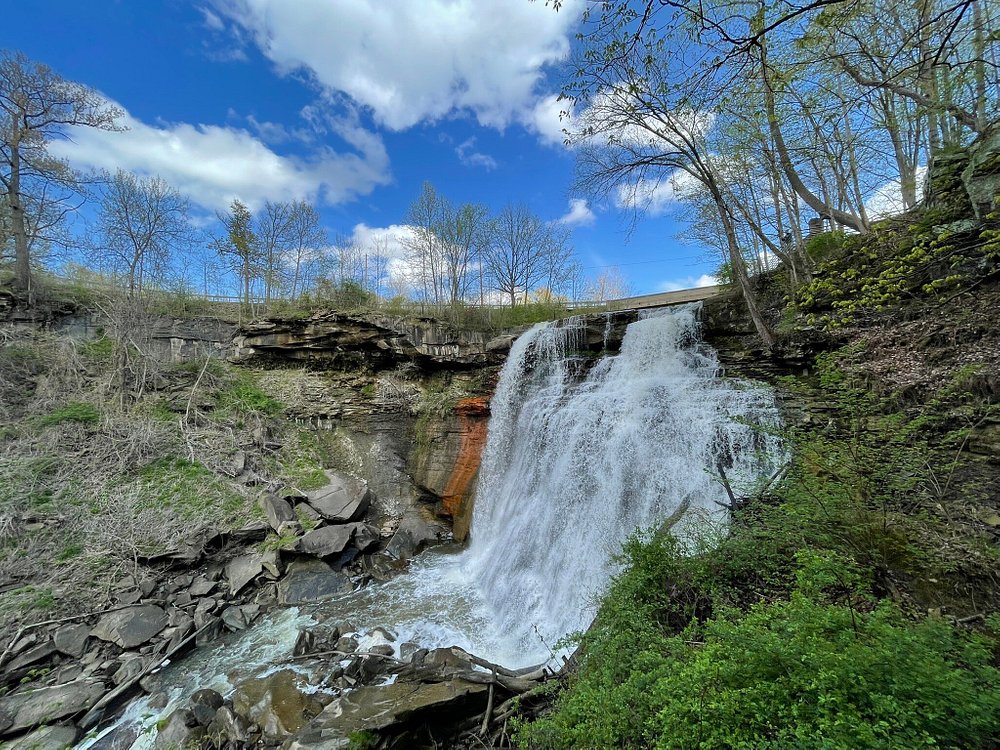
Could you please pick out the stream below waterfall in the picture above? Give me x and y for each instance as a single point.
(580, 454)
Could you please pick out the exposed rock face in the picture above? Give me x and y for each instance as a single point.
(456, 498)
(371, 342)
(981, 177)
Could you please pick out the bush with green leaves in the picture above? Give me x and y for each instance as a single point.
(803, 672)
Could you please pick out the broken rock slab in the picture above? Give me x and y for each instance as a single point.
(277, 511)
(243, 569)
(374, 708)
(131, 627)
(43, 706)
(343, 499)
(311, 580)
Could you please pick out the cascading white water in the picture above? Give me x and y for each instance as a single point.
(574, 465)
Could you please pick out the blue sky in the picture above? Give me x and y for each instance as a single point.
(352, 104)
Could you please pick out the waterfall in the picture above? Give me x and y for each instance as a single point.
(576, 461)
(579, 455)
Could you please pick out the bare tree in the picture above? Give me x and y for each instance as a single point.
(515, 257)
(143, 225)
(305, 238)
(37, 105)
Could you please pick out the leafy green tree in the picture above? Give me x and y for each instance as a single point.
(241, 246)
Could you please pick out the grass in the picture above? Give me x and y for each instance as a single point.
(76, 412)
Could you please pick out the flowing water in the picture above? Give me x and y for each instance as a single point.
(579, 456)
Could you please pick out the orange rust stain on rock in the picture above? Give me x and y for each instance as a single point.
(473, 414)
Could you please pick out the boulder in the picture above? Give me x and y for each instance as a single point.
(181, 730)
(310, 581)
(25, 710)
(45, 738)
(72, 639)
(243, 569)
(374, 708)
(343, 499)
(981, 176)
(204, 704)
(329, 541)
(277, 511)
(414, 532)
(131, 627)
(280, 703)
(230, 725)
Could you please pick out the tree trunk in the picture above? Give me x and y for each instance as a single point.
(18, 226)
(788, 168)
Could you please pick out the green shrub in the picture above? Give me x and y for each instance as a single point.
(802, 673)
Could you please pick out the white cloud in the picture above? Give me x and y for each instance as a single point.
(471, 158)
(213, 164)
(211, 20)
(578, 215)
(655, 196)
(550, 119)
(390, 241)
(688, 282)
(888, 199)
(415, 60)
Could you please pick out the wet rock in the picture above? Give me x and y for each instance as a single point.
(45, 705)
(305, 643)
(407, 649)
(233, 618)
(343, 499)
(375, 708)
(417, 529)
(181, 730)
(119, 738)
(72, 639)
(204, 704)
(346, 644)
(208, 627)
(279, 703)
(131, 627)
(310, 581)
(227, 723)
(382, 649)
(243, 569)
(382, 633)
(46, 738)
(277, 511)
